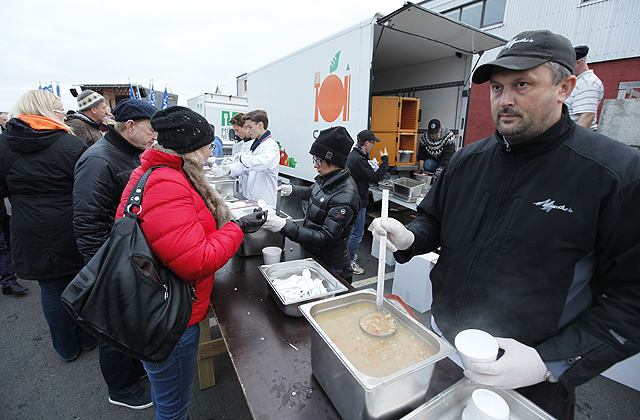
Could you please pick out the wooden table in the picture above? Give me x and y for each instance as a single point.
(271, 351)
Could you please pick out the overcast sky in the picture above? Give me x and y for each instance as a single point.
(192, 46)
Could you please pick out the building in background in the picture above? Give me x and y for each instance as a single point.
(609, 27)
(114, 93)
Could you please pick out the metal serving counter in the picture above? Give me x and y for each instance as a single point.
(271, 351)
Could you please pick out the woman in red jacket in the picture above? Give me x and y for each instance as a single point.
(185, 223)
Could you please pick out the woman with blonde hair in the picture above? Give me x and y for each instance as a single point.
(37, 159)
(185, 222)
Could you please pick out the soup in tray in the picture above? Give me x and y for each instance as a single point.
(373, 356)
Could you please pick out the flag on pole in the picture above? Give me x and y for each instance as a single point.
(131, 94)
(58, 90)
(165, 98)
(152, 96)
(48, 88)
(138, 92)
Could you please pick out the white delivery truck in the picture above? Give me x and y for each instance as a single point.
(410, 53)
(218, 109)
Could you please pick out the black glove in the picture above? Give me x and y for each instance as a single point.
(251, 222)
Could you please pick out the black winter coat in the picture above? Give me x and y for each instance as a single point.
(333, 207)
(101, 175)
(540, 242)
(36, 173)
(362, 173)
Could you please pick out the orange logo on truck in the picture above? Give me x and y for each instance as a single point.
(332, 95)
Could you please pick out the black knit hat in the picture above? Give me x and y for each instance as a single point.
(133, 109)
(181, 129)
(87, 99)
(333, 145)
(528, 50)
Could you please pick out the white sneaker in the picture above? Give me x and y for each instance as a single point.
(356, 268)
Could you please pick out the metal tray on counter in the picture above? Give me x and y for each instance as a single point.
(449, 404)
(286, 269)
(407, 188)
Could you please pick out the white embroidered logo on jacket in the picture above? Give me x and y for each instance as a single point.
(549, 204)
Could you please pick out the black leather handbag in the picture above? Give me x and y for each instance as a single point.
(125, 297)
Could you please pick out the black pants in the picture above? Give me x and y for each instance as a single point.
(121, 372)
(346, 273)
(554, 398)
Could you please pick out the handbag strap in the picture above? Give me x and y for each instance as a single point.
(135, 197)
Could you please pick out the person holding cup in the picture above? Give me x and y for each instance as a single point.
(533, 250)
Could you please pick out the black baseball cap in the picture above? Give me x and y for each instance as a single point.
(368, 136)
(434, 126)
(527, 50)
(581, 51)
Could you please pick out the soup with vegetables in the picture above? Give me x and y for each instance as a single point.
(373, 356)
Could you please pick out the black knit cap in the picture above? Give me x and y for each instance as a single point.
(133, 109)
(181, 129)
(333, 145)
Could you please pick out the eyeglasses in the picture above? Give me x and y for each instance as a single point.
(212, 146)
(317, 161)
(58, 111)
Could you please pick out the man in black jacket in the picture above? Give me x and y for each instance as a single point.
(363, 173)
(539, 233)
(101, 175)
(333, 204)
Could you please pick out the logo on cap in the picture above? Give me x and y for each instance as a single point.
(432, 126)
(514, 41)
(328, 155)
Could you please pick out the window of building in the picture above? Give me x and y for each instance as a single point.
(479, 13)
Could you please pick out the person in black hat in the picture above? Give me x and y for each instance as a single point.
(363, 172)
(334, 204)
(436, 147)
(532, 249)
(588, 93)
(190, 230)
(100, 176)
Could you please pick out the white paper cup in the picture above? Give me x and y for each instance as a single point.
(476, 346)
(271, 254)
(486, 405)
(217, 172)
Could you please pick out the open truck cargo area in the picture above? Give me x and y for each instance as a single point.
(412, 53)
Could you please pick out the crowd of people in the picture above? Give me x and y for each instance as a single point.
(529, 251)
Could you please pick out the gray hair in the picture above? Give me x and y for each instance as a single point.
(558, 71)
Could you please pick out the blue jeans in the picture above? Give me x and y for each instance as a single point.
(430, 165)
(172, 380)
(357, 233)
(67, 336)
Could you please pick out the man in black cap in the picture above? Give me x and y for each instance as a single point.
(532, 248)
(363, 173)
(92, 112)
(586, 97)
(436, 147)
(101, 175)
(334, 204)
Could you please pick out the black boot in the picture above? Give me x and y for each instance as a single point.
(14, 289)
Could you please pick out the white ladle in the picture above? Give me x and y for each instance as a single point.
(380, 323)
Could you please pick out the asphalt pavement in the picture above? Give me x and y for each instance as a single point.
(36, 384)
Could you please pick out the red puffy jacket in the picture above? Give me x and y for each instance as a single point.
(179, 227)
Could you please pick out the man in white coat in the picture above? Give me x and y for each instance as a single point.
(258, 166)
